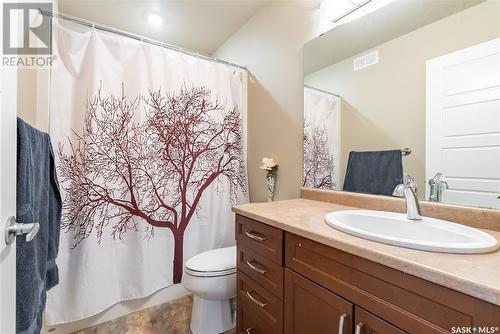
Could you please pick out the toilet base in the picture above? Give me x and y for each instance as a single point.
(211, 316)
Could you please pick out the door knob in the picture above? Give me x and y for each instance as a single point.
(13, 229)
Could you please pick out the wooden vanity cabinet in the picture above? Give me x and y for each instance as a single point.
(291, 284)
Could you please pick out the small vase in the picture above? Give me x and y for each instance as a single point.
(271, 181)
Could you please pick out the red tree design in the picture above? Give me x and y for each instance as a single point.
(157, 170)
(318, 161)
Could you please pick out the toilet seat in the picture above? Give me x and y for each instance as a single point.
(213, 263)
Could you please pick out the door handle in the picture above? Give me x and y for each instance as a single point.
(252, 298)
(341, 323)
(253, 267)
(249, 330)
(255, 236)
(359, 326)
(13, 229)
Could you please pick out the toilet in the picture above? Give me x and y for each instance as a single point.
(211, 278)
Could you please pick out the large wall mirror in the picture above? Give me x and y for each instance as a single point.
(406, 89)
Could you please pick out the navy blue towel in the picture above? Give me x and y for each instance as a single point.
(38, 201)
(376, 172)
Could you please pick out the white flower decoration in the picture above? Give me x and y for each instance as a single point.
(269, 164)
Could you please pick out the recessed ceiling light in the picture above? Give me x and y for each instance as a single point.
(154, 19)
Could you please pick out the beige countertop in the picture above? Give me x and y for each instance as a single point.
(477, 275)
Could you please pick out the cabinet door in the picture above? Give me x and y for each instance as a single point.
(310, 308)
(367, 323)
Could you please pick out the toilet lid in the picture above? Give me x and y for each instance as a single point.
(215, 260)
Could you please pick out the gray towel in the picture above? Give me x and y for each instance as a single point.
(376, 172)
(38, 201)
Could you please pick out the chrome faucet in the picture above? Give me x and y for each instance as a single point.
(437, 186)
(408, 189)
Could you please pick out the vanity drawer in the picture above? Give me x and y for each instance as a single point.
(260, 301)
(412, 304)
(248, 322)
(265, 272)
(261, 238)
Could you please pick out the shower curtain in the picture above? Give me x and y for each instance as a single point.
(151, 157)
(321, 139)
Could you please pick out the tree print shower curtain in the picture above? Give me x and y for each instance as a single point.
(150, 156)
(321, 139)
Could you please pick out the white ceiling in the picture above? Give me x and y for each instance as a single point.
(201, 25)
(385, 24)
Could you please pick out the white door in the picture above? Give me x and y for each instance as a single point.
(463, 124)
(8, 112)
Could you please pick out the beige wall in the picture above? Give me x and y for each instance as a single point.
(383, 105)
(27, 95)
(270, 45)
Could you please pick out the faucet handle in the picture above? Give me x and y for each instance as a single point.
(410, 182)
(438, 180)
(408, 179)
(438, 177)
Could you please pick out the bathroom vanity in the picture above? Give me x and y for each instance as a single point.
(298, 275)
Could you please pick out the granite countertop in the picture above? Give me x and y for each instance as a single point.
(477, 275)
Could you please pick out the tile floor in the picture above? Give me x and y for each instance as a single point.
(168, 318)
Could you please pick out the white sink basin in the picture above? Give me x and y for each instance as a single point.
(427, 234)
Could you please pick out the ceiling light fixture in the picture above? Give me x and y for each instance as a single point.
(348, 10)
(154, 19)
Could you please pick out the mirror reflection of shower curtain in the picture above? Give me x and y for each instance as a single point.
(321, 139)
(150, 157)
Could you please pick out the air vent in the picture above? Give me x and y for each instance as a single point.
(365, 60)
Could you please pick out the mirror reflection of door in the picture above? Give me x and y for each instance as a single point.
(463, 124)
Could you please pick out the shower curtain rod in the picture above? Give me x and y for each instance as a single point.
(322, 91)
(140, 38)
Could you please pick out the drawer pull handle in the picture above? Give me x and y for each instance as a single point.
(249, 330)
(358, 328)
(341, 323)
(255, 237)
(253, 267)
(252, 298)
